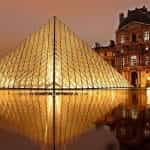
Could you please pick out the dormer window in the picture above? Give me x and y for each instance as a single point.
(146, 35)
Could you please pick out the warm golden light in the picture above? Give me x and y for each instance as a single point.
(148, 96)
(76, 66)
(31, 114)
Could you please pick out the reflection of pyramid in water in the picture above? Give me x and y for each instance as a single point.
(55, 54)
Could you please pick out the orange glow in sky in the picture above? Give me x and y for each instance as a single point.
(93, 20)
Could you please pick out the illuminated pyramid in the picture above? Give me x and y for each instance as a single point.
(55, 57)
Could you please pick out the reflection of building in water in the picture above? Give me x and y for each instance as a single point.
(31, 114)
(133, 127)
(131, 122)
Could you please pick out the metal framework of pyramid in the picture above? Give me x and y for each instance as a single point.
(55, 57)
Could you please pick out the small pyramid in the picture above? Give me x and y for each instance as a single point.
(55, 57)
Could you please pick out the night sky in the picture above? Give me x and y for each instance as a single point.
(92, 20)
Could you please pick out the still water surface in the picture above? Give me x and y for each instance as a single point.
(26, 117)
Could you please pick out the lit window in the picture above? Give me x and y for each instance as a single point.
(124, 113)
(147, 124)
(122, 50)
(123, 61)
(147, 132)
(146, 35)
(146, 48)
(122, 39)
(113, 54)
(147, 60)
(134, 114)
(133, 60)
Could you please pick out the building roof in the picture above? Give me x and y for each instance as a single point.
(141, 15)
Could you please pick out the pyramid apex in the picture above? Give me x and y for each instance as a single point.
(76, 66)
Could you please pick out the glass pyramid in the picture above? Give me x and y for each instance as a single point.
(55, 58)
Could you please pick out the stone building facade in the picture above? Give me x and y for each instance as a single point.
(132, 50)
(108, 53)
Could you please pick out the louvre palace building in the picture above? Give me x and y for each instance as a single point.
(130, 53)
